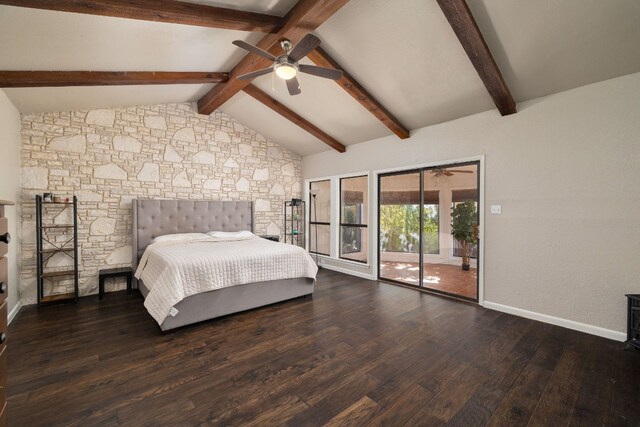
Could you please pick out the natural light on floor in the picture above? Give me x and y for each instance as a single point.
(442, 277)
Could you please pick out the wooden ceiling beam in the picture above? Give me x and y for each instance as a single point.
(464, 25)
(303, 18)
(321, 58)
(293, 117)
(167, 11)
(106, 78)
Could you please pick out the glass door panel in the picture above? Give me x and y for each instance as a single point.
(451, 213)
(399, 219)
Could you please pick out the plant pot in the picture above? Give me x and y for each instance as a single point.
(465, 267)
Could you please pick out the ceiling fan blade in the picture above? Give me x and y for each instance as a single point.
(460, 171)
(304, 46)
(253, 49)
(294, 86)
(252, 75)
(447, 173)
(327, 73)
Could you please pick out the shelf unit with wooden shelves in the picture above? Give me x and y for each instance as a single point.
(53, 239)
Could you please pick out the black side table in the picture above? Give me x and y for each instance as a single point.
(633, 321)
(273, 238)
(114, 272)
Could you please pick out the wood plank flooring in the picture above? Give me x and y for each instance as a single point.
(357, 353)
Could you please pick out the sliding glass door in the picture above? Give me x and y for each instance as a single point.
(428, 228)
(452, 269)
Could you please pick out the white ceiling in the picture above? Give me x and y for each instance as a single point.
(403, 51)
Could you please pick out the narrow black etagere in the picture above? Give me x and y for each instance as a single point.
(633, 321)
(69, 247)
(294, 222)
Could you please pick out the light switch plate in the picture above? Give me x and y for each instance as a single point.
(496, 209)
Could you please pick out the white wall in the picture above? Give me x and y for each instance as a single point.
(565, 170)
(10, 188)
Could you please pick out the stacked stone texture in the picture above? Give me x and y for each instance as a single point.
(108, 157)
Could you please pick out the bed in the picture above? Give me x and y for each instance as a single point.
(153, 218)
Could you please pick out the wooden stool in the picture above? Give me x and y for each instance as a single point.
(114, 272)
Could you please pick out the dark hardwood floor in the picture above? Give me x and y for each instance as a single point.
(357, 353)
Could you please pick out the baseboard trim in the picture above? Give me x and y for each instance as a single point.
(14, 312)
(558, 321)
(346, 271)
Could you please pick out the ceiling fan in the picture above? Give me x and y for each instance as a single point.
(286, 66)
(437, 172)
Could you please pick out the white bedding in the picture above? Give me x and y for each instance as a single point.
(175, 270)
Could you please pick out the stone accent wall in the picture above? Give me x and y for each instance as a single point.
(108, 157)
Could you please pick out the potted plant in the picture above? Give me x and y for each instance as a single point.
(463, 222)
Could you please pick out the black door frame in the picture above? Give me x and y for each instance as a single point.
(421, 171)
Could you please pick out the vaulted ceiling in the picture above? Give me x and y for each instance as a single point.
(403, 52)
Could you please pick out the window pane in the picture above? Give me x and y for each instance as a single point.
(321, 203)
(431, 229)
(354, 243)
(354, 200)
(354, 209)
(400, 227)
(323, 236)
(457, 246)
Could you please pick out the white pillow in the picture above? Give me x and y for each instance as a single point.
(231, 235)
(181, 237)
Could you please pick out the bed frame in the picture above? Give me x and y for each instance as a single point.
(153, 218)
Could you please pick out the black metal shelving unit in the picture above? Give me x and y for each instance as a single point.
(47, 247)
(633, 321)
(294, 222)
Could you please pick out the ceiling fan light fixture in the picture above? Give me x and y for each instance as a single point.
(286, 71)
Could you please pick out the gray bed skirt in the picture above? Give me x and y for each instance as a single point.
(212, 304)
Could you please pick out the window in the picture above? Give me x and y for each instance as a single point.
(400, 217)
(457, 197)
(354, 205)
(431, 223)
(320, 217)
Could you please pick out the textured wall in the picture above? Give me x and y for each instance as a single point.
(108, 157)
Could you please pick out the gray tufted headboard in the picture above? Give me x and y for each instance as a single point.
(153, 218)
